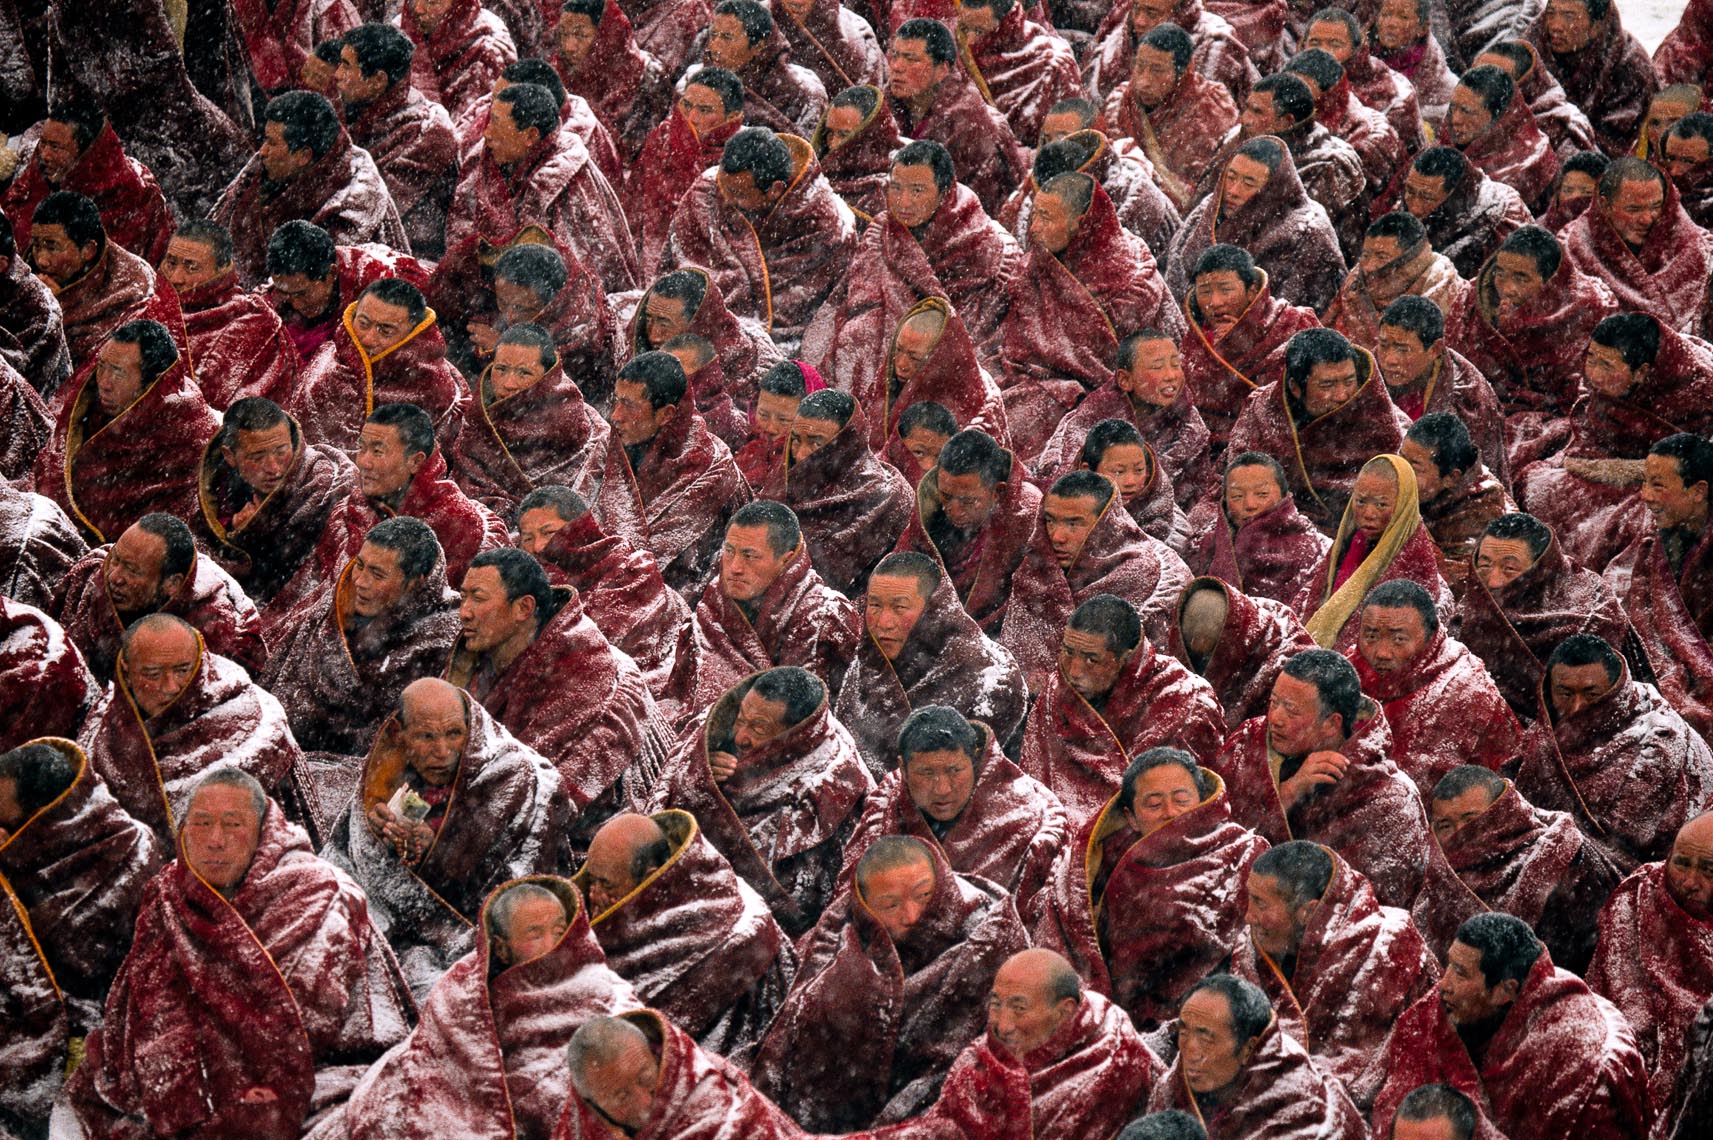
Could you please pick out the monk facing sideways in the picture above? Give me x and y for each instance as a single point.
(99, 285)
(29, 313)
(1174, 113)
(1236, 643)
(312, 282)
(1456, 491)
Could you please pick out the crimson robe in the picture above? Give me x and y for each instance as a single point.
(117, 287)
(457, 63)
(1666, 278)
(576, 117)
(1175, 433)
(668, 29)
(25, 424)
(285, 986)
(1372, 817)
(279, 38)
(882, 1020)
(1611, 78)
(1473, 220)
(1021, 69)
(1416, 559)
(1515, 151)
(45, 688)
(355, 268)
(1364, 297)
(1180, 137)
(984, 151)
(133, 212)
(1564, 1062)
(37, 1035)
(1377, 144)
(1126, 174)
(238, 344)
(34, 342)
(514, 444)
(1170, 910)
(1220, 374)
(859, 168)
(1218, 54)
(1274, 555)
(980, 566)
(1673, 616)
(836, 43)
(1383, 89)
(672, 159)
(1259, 635)
(627, 88)
(411, 139)
(1424, 63)
(1686, 52)
(1565, 125)
(1329, 168)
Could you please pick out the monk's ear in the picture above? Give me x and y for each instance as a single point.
(170, 584)
(413, 463)
(500, 949)
(792, 554)
(1506, 991)
(1248, 1050)
(663, 415)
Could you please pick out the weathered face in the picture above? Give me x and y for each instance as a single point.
(808, 436)
(1568, 26)
(1129, 468)
(1378, 252)
(1251, 492)
(262, 459)
(189, 264)
(431, 13)
(1146, 15)
(1572, 688)
(1222, 296)
(378, 325)
(704, 110)
(912, 197)
(914, 345)
(1671, 501)
(758, 721)
(305, 296)
(1052, 226)
(1276, 926)
(1391, 637)
(966, 500)
(1403, 359)
(1454, 813)
(1153, 76)
(975, 19)
(1468, 118)
(841, 126)
(55, 256)
(1501, 561)
(664, 318)
(1329, 387)
(728, 45)
(1207, 1043)
(1296, 725)
(1689, 869)
(535, 927)
(487, 618)
(1090, 665)
(1243, 179)
(377, 580)
(516, 368)
(1424, 193)
(1261, 116)
(924, 446)
(436, 728)
(159, 664)
(898, 898)
(57, 150)
(134, 572)
(622, 1089)
(1637, 208)
(749, 564)
(1463, 990)
(1398, 25)
(774, 413)
(502, 136)
(354, 87)
(940, 782)
(517, 304)
(1604, 369)
(911, 71)
(1663, 114)
(385, 466)
(634, 417)
(221, 834)
(575, 38)
(1161, 795)
(1021, 1012)
(118, 376)
(1060, 126)
(1682, 156)
(536, 528)
(1156, 373)
(607, 876)
(1430, 484)
(1068, 523)
(891, 609)
(1332, 37)
(279, 161)
(1516, 279)
(1373, 501)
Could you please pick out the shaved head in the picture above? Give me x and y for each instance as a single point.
(1203, 620)
(1033, 994)
(430, 696)
(161, 654)
(1689, 867)
(614, 1069)
(625, 851)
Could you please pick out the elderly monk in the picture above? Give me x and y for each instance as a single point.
(312, 282)
(1170, 111)
(683, 476)
(1611, 752)
(1458, 495)
(1219, 55)
(46, 687)
(1235, 642)
(1424, 376)
(1020, 67)
(409, 136)
(1523, 598)
(488, 1057)
(1318, 766)
(1490, 123)
(855, 142)
(687, 141)
(256, 992)
(1466, 213)
(155, 568)
(777, 785)
(237, 342)
(1396, 260)
(1655, 957)
(523, 638)
(1603, 68)
(934, 240)
(597, 56)
(175, 710)
(1113, 695)
(779, 93)
(1527, 1039)
(1565, 125)
(676, 922)
(1242, 1071)
(1085, 277)
(1493, 850)
(767, 606)
(77, 150)
(1338, 967)
(920, 944)
(1147, 898)
(460, 48)
(306, 169)
(36, 346)
(449, 805)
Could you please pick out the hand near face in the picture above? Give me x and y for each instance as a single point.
(1320, 770)
(724, 764)
(485, 338)
(246, 512)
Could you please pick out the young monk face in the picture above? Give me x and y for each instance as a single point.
(1403, 359)
(1329, 387)
(704, 110)
(503, 138)
(1577, 188)
(1160, 795)
(749, 564)
(377, 580)
(356, 88)
(1424, 193)
(1332, 37)
(57, 150)
(1517, 280)
(1296, 723)
(1262, 117)
(1207, 1041)
(1250, 492)
(430, 14)
(1090, 664)
(774, 413)
(385, 466)
(966, 500)
(891, 608)
(1398, 25)
(924, 446)
(1373, 501)
(221, 834)
(1128, 466)
(307, 297)
(1671, 501)
(1501, 561)
(1156, 372)
(55, 256)
(1391, 637)
(940, 782)
(1061, 126)
(190, 264)
(1243, 179)
(378, 325)
(1153, 76)
(536, 528)
(1568, 26)
(516, 368)
(159, 664)
(487, 618)
(279, 161)
(911, 71)
(534, 927)
(1223, 297)
(575, 37)
(976, 17)
(1607, 374)
(634, 418)
(1068, 522)
(841, 126)
(810, 435)
(1689, 870)
(912, 196)
(1454, 813)
(1146, 15)
(899, 897)
(118, 376)
(728, 44)
(1572, 688)
(1682, 155)
(1468, 118)
(1052, 225)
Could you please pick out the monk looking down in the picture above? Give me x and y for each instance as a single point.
(237, 342)
(1457, 492)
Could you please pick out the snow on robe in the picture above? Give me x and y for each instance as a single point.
(457, 63)
(782, 820)
(1021, 69)
(1218, 54)
(34, 342)
(25, 424)
(1259, 635)
(1419, 271)
(1457, 386)
(673, 157)
(1564, 1062)
(415, 148)
(45, 688)
(882, 1020)
(698, 943)
(1126, 174)
(947, 660)
(355, 268)
(985, 152)
(133, 212)
(1175, 434)
(1170, 909)
(1611, 78)
(1180, 137)
(513, 444)
(1272, 556)
(1515, 151)
(1459, 515)
(1382, 151)
(35, 1037)
(1475, 25)
(1673, 616)
(1358, 967)
(287, 986)
(626, 87)
(1666, 278)
(858, 169)
(1476, 216)
(1424, 62)
(1372, 817)
(487, 1060)
(1221, 373)
(1331, 173)
(1379, 87)
(834, 42)
(981, 567)
(1686, 53)
(237, 343)
(1081, 752)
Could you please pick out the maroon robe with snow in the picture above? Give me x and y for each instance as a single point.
(1372, 817)
(1666, 278)
(985, 153)
(34, 332)
(1259, 635)
(922, 999)
(1459, 515)
(118, 286)
(1169, 911)
(1416, 559)
(981, 567)
(1475, 217)
(355, 268)
(1180, 137)
(1686, 53)
(25, 424)
(1221, 373)
(626, 87)
(286, 986)
(1364, 297)
(1563, 1062)
(668, 29)
(457, 63)
(238, 345)
(411, 139)
(1126, 174)
(1175, 433)
(133, 212)
(37, 1035)
(1377, 144)
(778, 93)
(514, 444)
(576, 117)
(1515, 151)
(673, 157)
(1386, 91)
(1021, 69)
(45, 688)
(1218, 55)
(1611, 79)
(280, 38)
(500, 1031)
(858, 169)
(1357, 967)
(1673, 616)
(834, 42)
(1273, 556)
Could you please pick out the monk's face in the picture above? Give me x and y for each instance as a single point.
(118, 376)
(1262, 117)
(891, 609)
(1068, 523)
(1430, 484)
(1061, 126)
(1516, 279)
(622, 1088)
(11, 811)
(1373, 501)
(1669, 499)
(1275, 924)
(1296, 722)
(133, 570)
(190, 264)
(1463, 990)
(378, 325)
(741, 193)
(1403, 359)
(221, 834)
(1398, 25)
(924, 446)
(1332, 37)
(899, 897)
(262, 458)
(728, 45)
(634, 418)
(841, 126)
(280, 163)
(1572, 688)
(1424, 193)
(967, 500)
(664, 318)
(1689, 870)
(1243, 179)
(534, 927)
(1663, 114)
(1468, 117)
(1607, 374)
(912, 196)
(1146, 15)
(1156, 372)
(976, 17)
(1682, 156)
(436, 727)
(911, 71)
(914, 345)
(1251, 492)
(1378, 252)
(1153, 76)
(704, 110)
(55, 256)
(517, 303)
(810, 435)
(377, 580)
(1329, 387)
(488, 619)
(749, 564)
(516, 368)
(1089, 663)
(1454, 813)
(1576, 189)
(1160, 795)
(1222, 296)
(385, 466)
(940, 782)
(1391, 637)
(536, 528)
(607, 872)
(1501, 561)
(306, 296)
(1128, 466)
(575, 38)
(1636, 209)
(1434, 1128)
(758, 721)
(1568, 26)
(1207, 1043)
(1052, 225)
(1022, 1014)
(774, 413)
(355, 88)
(159, 664)
(503, 138)
(57, 151)
(430, 14)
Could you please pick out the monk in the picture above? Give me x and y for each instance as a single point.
(1654, 955)
(888, 989)
(777, 398)
(931, 364)
(1338, 967)
(1259, 204)
(77, 150)
(1085, 278)
(688, 140)
(409, 135)
(1467, 214)
(26, 422)
(777, 785)
(312, 282)
(676, 922)
(1584, 754)
(1459, 496)
(834, 42)
(1424, 376)
(1403, 41)
(35, 346)
(1523, 598)
(1578, 182)
(934, 240)
(1220, 55)
(1148, 897)
(460, 48)
(597, 56)
(1684, 156)
(237, 343)
(1396, 260)
(1318, 766)
(1171, 111)
(684, 309)
(1679, 57)
(1565, 124)
(1115, 449)
(779, 92)
(855, 142)
(932, 98)
(256, 992)
(306, 169)
(1490, 122)
(1020, 67)
(48, 688)
(685, 481)
(1498, 996)
(488, 1057)
(1341, 35)
(1236, 643)
(1604, 70)
(1242, 1071)
(1112, 696)
(1258, 542)
(1074, 138)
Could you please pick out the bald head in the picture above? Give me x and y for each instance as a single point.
(1689, 867)
(1203, 621)
(615, 1071)
(1033, 994)
(625, 851)
(897, 880)
(918, 334)
(436, 724)
(161, 654)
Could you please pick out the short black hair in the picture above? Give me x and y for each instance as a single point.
(594, 9)
(1399, 225)
(1418, 315)
(253, 413)
(1338, 16)
(414, 426)
(8, 237)
(911, 564)
(1401, 592)
(536, 337)
(1259, 459)
(1628, 168)
(555, 497)
(300, 247)
(397, 291)
(307, 120)
(155, 347)
(939, 728)
(1697, 125)
(684, 285)
(1127, 347)
(1174, 41)
(1509, 949)
(929, 417)
(1436, 1102)
(1266, 150)
(1447, 441)
(1312, 347)
(1636, 336)
(1693, 455)
(783, 530)
(785, 379)
(1075, 190)
(1519, 524)
(533, 107)
(1083, 485)
(538, 72)
(521, 575)
(535, 266)
(82, 114)
(1581, 649)
(798, 689)
(721, 82)
(1168, 1125)
(1066, 156)
(1338, 689)
(1594, 163)
(1304, 869)
(1290, 95)
(827, 404)
(1319, 66)
(413, 540)
(1224, 258)
(40, 773)
(212, 234)
(71, 211)
(380, 47)
(861, 98)
(761, 154)
(1108, 434)
(1113, 618)
(1466, 777)
(180, 554)
(973, 451)
(1444, 163)
(757, 21)
(935, 36)
(1494, 85)
(1516, 51)
(1251, 1013)
(933, 155)
(1153, 758)
(661, 376)
(1539, 245)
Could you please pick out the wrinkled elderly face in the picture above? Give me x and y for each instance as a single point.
(1052, 225)
(1251, 492)
(1332, 37)
(133, 570)
(1572, 688)
(1274, 923)
(1391, 637)
(607, 872)
(355, 88)
(966, 500)
(1568, 26)
(118, 376)
(940, 782)
(810, 435)
(57, 150)
(664, 318)
(1403, 359)
(1329, 387)
(55, 256)
(534, 927)
(1022, 1013)
(1373, 500)
(1454, 813)
(486, 616)
(189, 264)
(1398, 25)
(436, 726)
(1424, 193)
(1129, 468)
(841, 126)
(536, 528)
(911, 71)
(1672, 502)
(1516, 279)
(728, 45)
(385, 466)
(159, 664)
(1243, 179)
(622, 1089)
(1468, 119)
(1463, 990)
(377, 580)
(1635, 211)
(704, 110)
(758, 721)
(575, 37)
(914, 345)
(1501, 561)
(1296, 725)
(1689, 869)
(891, 608)
(899, 897)
(430, 14)
(912, 197)
(279, 161)
(1090, 665)
(516, 368)
(1221, 295)
(1207, 1043)
(1156, 373)
(1153, 76)
(221, 834)
(1160, 795)
(1068, 523)
(749, 564)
